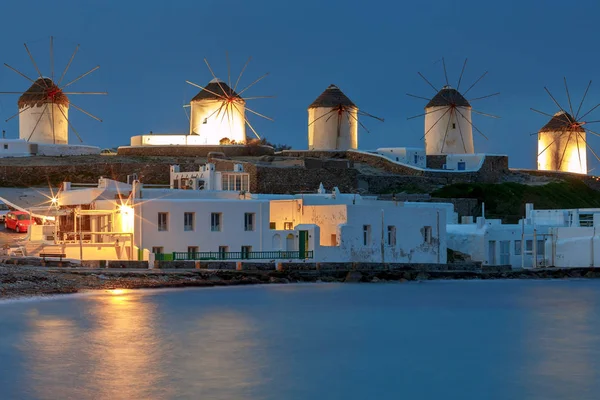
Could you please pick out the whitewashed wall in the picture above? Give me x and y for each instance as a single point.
(42, 132)
(443, 138)
(323, 130)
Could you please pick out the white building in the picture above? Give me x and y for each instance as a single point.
(412, 156)
(121, 221)
(562, 145)
(448, 128)
(560, 238)
(332, 121)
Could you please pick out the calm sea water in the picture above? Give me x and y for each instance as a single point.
(434, 340)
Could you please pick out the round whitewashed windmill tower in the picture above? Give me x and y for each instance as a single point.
(447, 121)
(563, 141)
(332, 121)
(561, 145)
(217, 113)
(448, 117)
(44, 113)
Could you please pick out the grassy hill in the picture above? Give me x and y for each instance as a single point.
(507, 200)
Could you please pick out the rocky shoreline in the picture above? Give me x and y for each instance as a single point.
(23, 281)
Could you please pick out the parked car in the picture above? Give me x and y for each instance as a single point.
(3, 211)
(18, 221)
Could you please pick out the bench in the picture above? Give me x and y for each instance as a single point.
(60, 256)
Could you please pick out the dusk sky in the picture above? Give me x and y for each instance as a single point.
(371, 50)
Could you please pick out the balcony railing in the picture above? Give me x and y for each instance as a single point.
(234, 255)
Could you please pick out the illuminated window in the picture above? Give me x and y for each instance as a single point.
(163, 221)
(157, 250)
(192, 250)
(273, 225)
(246, 250)
(288, 226)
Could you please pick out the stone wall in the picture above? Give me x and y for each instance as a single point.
(195, 151)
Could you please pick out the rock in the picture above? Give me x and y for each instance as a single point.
(353, 277)
(422, 276)
(375, 280)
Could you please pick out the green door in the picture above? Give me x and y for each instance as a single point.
(302, 244)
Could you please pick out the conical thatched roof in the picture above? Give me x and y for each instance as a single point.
(332, 97)
(560, 122)
(216, 86)
(446, 97)
(41, 92)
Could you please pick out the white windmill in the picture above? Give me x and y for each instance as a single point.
(562, 142)
(333, 121)
(44, 107)
(218, 111)
(448, 118)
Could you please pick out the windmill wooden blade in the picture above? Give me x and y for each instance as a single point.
(541, 112)
(429, 83)
(418, 97)
(62, 76)
(203, 88)
(25, 76)
(445, 73)
(461, 75)
(81, 76)
(360, 123)
(253, 83)
(462, 137)
(582, 100)
(592, 109)
(38, 121)
(20, 111)
(475, 83)
(85, 112)
(578, 152)
(447, 128)
(70, 125)
(471, 123)
(35, 64)
(484, 97)
(565, 150)
(52, 58)
(485, 114)
(322, 116)
(556, 102)
(568, 97)
(215, 78)
(246, 120)
(259, 114)
(366, 114)
(241, 73)
(435, 123)
(589, 147)
(425, 113)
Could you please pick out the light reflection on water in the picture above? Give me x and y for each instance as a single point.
(467, 340)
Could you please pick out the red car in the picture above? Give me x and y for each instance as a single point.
(18, 221)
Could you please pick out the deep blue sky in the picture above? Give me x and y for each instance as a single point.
(371, 50)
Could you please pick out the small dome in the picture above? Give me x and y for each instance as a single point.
(562, 121)
(43, 91)
(332, 97)
(216, 86)
(446, 97)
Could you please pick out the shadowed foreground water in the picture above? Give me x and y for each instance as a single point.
(434, 340)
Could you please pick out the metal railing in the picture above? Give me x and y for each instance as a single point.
(235, 255)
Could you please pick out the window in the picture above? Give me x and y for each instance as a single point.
(249, 221)
(504, 252)
(518, 247)
(586, 220)
(246, 250)
(192, 250)
(223, 250)
(157, 250)
(5, 147)
(288, 226)
(273, 225)
(367, 235)
(333, 239)
(188, 221)
(391, 235)
(416, 158)
(453, 125)
(528, 246)
(163, 221)
(215, 222)
(427, 234)
(540, 247)
(235, 182)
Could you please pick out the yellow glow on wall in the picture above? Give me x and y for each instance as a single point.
(127, 217)
(562, 151)
(213, 120)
